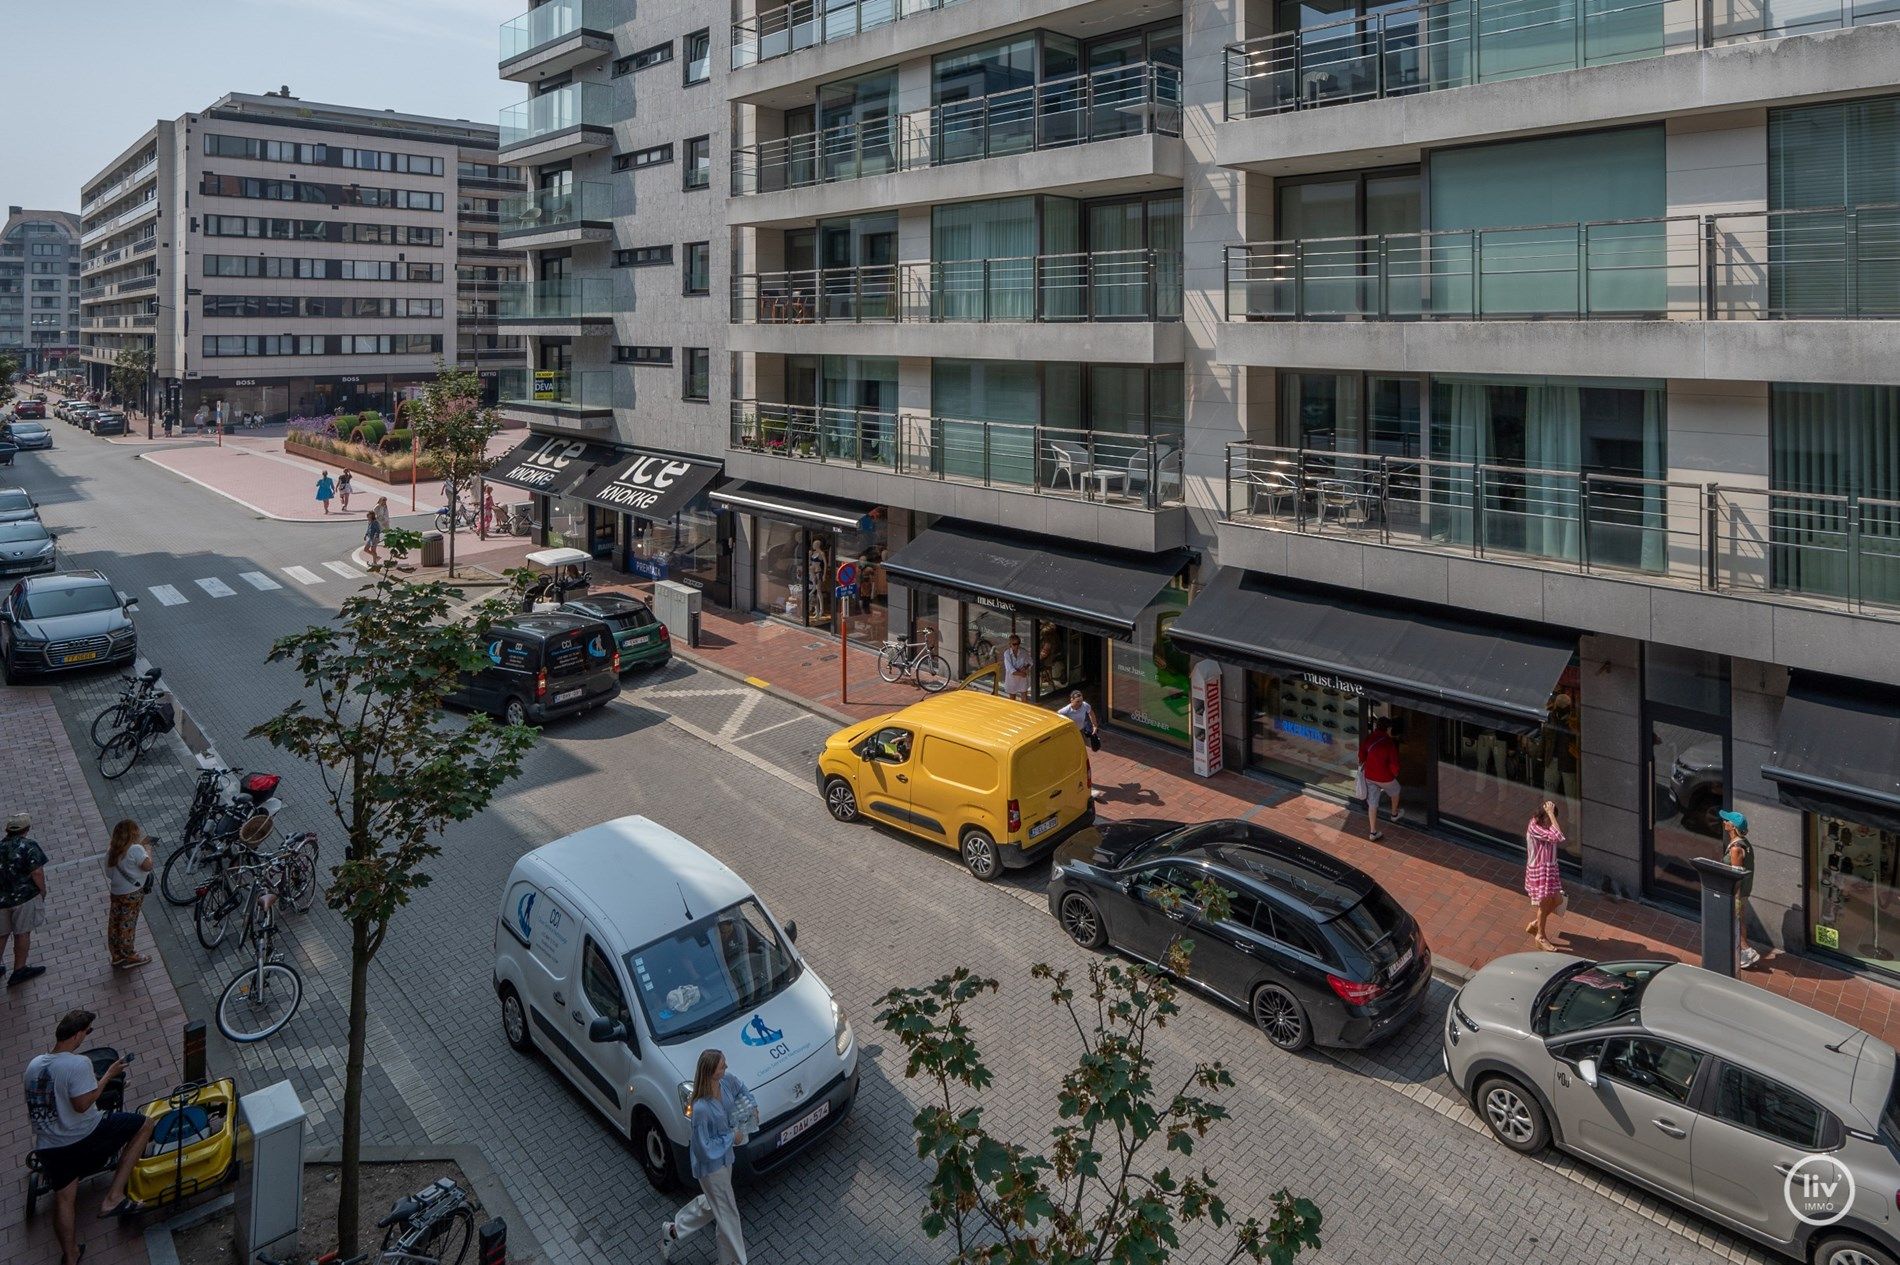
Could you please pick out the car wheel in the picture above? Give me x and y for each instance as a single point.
(656, 1153)
(1082, 920)
(515, 712)
(840, 800)
(514, 1021)
(1513, 1114)
(980, 856)
(1279, 1014)
(1844, 1249)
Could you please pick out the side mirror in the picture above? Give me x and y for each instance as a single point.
(791, 931)
(603, 1030)
(130, 606)
(1587, 1071)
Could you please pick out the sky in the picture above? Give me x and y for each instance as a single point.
(82, 79)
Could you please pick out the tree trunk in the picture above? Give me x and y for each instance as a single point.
(348, 1192)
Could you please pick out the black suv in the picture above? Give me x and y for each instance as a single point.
(541, 668)
(1312, 948)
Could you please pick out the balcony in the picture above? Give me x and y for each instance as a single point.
(143, 173)
(554, 38)
(142, 322)
(1122, 104)
(99, 232)
(570, 305)
(778, 32)
(564, 123)
(570, 394)
(557, 217)
(1682, 296)
(1121, 490)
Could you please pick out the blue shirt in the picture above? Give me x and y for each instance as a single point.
(712, 1147)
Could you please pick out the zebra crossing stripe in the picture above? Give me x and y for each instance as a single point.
(343, 569)
(303, 575)
(216, 587)
(259, 581)
(167, 595)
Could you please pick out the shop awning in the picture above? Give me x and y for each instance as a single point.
(549, 464)
(1837, 751)
(649, 484)
(1496, 674)
(1099, 592)
(803, 508)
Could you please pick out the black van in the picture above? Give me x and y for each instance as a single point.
(541, 668)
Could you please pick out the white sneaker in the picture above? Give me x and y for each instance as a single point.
(1749, 958)
(669, 1239)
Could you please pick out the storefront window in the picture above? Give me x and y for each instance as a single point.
(567, 523)
(1494, 780)
(1854, 891)
(1304, 730)
(797, 573)
(1063, 656)
(1148, 677)
(781, 568)
(867, 616)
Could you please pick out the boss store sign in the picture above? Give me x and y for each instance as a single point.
(550, 464)
(652, 485)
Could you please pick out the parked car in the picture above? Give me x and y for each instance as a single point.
(641, 638)
(81, 413)
(27, 548)
(7, 449)
(33, 408)
(29, 435)
(16, 505)
(1708, 1091)
(107, 422)
(65, 620)
(1312, 948)
(541, 668)
(623, 950)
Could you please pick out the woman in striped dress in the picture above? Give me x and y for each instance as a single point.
(1542, 883)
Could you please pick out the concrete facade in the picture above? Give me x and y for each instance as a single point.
(39, 288)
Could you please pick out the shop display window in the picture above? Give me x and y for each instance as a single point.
(1305, 731)
(1854, 891)
(1148, 677)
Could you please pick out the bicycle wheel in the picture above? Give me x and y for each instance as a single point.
(106, 721)
(890, 665)
(259, 1001)
(218, 911)
(933, 672)
(447, 1241)
(300, 881)
(120, 754)
(442, 520)
(184, 872)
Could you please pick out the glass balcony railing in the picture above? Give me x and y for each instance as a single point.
(586, 104)
(1133, 471)
(1106, 104)
(547, 209)
(567, 389)
(1133, 285)
(565, 299)
(541, 25)
(787, 28)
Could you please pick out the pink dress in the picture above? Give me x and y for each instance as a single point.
(1541, 879)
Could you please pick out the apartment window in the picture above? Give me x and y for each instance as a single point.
(698, 57)
(698, 173)
(698, 279)
(644, 58)
(656, 156)
(643, 355)
(696, 377)
(643, 256)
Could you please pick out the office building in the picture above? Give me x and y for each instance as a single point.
(288, 258)
(39, 288)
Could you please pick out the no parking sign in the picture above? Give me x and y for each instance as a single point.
(847, 579)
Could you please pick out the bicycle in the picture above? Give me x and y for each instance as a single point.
(212, 826)
(434, 1226)
(464, 517)
(290, 872)
(137, 690)
(261, 999)
(150, 718)
(916, 660)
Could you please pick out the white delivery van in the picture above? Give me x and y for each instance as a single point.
(623, 950)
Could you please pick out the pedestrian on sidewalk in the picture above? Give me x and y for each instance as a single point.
(1543, 883)
(1083, 717)
(488, 511)
(73, 1137)
(344, 488)
(1740, 853)
(1379, 773)
(722, 1108)
(22, 894)
(373, 538)
(128, 878)
(382, 512)
(199, 418)
(326, 488)
(1017, 666)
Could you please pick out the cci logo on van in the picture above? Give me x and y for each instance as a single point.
(756, 1033)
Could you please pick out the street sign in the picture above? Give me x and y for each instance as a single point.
(847, 575)
(846, 592)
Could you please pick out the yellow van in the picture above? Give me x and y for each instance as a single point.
(1000, 781)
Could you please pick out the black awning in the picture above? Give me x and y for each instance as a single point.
(1499, 675)
(649, 484)
(1099, 592)
(1837, 751)
(803, 508)
(549, 464)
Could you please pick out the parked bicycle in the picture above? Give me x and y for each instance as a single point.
(916, 660)
(233, 895)
(137, 690)
(465, 516)
(264, 996)
(434, 1226)
(148, 719)
(226, 809)
(514, 520)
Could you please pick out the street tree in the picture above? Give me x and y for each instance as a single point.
(1093, 1195)
(8, 367)
(395, 772)
(451, 425)
(131, 369)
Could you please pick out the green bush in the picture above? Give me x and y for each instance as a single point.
(398, 440)
(371, 415)
(369, 431)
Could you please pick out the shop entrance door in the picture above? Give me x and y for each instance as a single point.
(1686, 767)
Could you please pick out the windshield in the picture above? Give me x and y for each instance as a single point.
(14, 499)
(711, 971)
(52, 603)
(1186, 838)
(19, 533)
(1608, 992)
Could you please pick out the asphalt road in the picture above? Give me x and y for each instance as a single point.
(1401, 1170)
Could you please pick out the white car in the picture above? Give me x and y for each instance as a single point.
(622, 951)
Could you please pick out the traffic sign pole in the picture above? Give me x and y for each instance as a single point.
(847, 588)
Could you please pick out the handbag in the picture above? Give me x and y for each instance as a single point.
(1095, 741)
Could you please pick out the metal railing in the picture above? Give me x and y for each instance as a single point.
(562, 299)
(1135, 285)
(787, 28)
(543, 25)
(1139, 471)
(1106, 104)
(1834, 549)
(577, 389)
(99, 231)
(1441, 44)
(585, 104)
(113, 190)
(1839, 262)
(545, 209)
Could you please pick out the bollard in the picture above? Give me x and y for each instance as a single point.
(1721, 906)
(492, 1243)
(194, 1052)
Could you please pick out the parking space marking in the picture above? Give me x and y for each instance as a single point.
(343, 569)
(259, 581)
(167, 595)
(216, 587)
(769, 728)
(303, 575)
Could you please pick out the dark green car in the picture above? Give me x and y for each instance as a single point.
(639, 636)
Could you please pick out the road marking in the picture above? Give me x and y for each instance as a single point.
(753, 680)
(343, 569)
(739, 716)
(303, 575)
(216, 587)
(259, 581)
(167, 595)
(778, 725)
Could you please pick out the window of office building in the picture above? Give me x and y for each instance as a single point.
(646, 57)
(643, 355)
(698, 278)
(696, 374)
(698, 57)
(698, 171)
(653, 156)
(643, 256)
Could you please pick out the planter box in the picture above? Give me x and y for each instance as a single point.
(356, 465)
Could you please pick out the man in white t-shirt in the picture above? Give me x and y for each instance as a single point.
(72, 1137)
(1017, 666)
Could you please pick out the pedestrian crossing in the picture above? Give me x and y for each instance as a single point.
(214, 588)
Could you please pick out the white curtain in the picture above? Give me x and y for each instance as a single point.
(1467, 440)
(1553, 440)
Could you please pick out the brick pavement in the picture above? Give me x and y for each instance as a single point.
(138, 1010)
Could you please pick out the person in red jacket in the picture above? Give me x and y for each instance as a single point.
(1379, 772)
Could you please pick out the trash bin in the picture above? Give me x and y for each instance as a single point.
(432, 555)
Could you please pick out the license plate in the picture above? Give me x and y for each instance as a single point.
(568, 696)
(83, 656)
(1043, 827)
(810, 1118)
(1398, 967)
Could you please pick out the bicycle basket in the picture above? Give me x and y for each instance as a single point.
(255, 830)
(164, 716)
(260, 786)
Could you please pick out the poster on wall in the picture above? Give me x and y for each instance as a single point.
(1208, 744)
(1148, 680)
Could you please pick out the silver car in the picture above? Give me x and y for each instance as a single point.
(1710, 1092)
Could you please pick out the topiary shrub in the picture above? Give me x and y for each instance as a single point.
(369, 431)
(398, 440)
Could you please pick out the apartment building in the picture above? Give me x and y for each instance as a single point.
(288, 258)
(1522, 376)
(39, 288)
